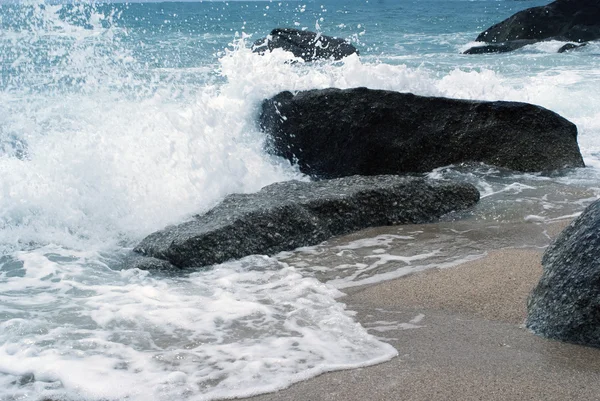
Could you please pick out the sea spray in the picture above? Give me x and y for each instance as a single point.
(101, 148)
(119, 119)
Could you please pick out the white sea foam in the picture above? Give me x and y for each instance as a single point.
(357, 280)
(109, 161)
(239, 329)
(378, 241)
(382, 326)
(100, 150)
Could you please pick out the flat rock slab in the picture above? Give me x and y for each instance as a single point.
(309, 46)
(335, 133)
(288, 215)
(565, 305)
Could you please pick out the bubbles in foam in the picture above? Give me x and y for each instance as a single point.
(136, 163)
(103, 141)
(246, 327)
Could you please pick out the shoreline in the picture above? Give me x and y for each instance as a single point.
(459, 334)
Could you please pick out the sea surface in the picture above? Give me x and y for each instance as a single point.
(119, 119)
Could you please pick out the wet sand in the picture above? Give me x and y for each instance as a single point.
(459, 335)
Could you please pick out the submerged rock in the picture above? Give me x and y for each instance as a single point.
(502, 47)
(564, 20)
(335, 133)
(565, 305)
(288, 215)
(307, 45)
(571, 46)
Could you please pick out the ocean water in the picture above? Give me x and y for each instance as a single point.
(119, 119)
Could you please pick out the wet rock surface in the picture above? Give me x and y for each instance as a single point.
(307, 45)
(334, 133)
(288, 215)
(565, 305)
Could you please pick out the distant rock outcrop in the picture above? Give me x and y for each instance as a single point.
(564, 20)
(307, 45)
(292, 214)
(335, 133)
(565, 305)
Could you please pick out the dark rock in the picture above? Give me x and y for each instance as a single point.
(570, 20)
(335, 133)
(502, 47)
(564, 20)
(565, 305)
(292, 214)
(307, 45)
(571, 46)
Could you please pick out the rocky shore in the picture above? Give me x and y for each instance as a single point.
(461, 332)
(460, 335)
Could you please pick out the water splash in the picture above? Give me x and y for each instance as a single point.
(115, 121)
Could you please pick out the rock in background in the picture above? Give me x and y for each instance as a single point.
(335, 133)
(288, 215)
(307, 45)
(563, 20)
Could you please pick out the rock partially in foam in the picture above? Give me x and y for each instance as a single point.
(564, 20)
(292, 214)
(307, 45)
(570, 47)
(334, 133)
(502, 47)
(565, 305)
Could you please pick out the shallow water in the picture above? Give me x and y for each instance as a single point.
(116, 120)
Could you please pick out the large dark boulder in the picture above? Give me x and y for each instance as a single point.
(335, 133)
(307, 45)
(564, 20)
(292, 214)
(565, 305)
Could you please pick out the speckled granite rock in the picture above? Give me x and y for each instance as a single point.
(292, 214)
(565, 305)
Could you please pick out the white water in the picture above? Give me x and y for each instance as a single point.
(87, 173)
(240, 329)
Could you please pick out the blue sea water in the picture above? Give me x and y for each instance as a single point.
(119, 119)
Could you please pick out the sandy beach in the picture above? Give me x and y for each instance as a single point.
(460, 336)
